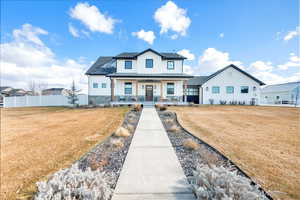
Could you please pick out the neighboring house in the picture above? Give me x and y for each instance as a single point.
(230, 84)
(141, 76)
(55, 91)
(287, 93)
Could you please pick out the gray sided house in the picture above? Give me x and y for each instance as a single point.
(286, 93)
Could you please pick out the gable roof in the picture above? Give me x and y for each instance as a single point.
(134, 55)
(197, 80)
(281, 87)
(104, 65)
(238, 69)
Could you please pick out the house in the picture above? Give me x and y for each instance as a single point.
(230, 85)
(287, 93)
(55, 91)
(147, 76)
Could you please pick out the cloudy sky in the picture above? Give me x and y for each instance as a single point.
(54, 42)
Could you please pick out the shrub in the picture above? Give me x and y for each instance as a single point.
(221, 183)
(223, 102)
(211, 101)
(169, 121)
(242, 102)
(119, 143)
(232, 102)
(122, 132)
(137, 107)
(174, 128)
(161, 107)
(130, 128)
(95, 164)
(73, 183)
(190, 144)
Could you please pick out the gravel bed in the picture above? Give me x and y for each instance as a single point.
(108, 158)
(189, 159)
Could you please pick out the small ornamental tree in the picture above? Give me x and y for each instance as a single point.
(73, 95)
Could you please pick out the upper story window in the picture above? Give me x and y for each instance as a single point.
(95, 85)
(170, 88)
(244, 89)
(128, 64)
(149, 63)
(229, 89)
(128, 88)
(215, 89)
(170, 64)
(103, 85)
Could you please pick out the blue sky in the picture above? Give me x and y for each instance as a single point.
(261, 37)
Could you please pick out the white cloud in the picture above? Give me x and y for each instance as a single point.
(171, 17)
(188, 69)
(213, 60)
(292, 34)
(73, 30)
(261, 65)
(147, 36)
(221, 35)
(174, 36)
(186, 53)
(30, 60)
(272, 78)
(29, 33)
(294, 61)
(92, 18)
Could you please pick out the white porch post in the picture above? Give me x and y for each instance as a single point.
(112, 88)
(185, 90)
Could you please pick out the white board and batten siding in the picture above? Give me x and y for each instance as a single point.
(47, 100)
(159, 65)
(99, 79)
(230, 77)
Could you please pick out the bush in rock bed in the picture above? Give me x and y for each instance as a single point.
(190, 144)
(222, 183)
(73, 183)
(161, 107)
(122, 132)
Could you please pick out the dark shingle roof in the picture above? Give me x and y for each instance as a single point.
(197, 80)
(134, 55)
(160, 75)
(104, 65)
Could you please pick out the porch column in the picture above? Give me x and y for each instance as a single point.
(185, 91)
(137, 90)
(161, 90)
(112, 88)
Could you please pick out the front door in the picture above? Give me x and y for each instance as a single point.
(149, 92)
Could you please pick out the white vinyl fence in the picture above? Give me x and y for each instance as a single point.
(49, 100)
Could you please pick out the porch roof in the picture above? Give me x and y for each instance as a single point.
(158, 75)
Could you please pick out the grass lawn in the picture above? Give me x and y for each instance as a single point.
(35, 142)
(263, 141)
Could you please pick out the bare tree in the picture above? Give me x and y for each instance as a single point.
(73, 95)
(32, 87)
(42, 86)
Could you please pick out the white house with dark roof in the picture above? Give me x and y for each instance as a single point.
(147, 76)
(230, 85)
(151, 76)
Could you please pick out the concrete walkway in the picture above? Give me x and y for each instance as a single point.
(151, 169)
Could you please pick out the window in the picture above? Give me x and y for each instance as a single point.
(244, 89)
(103, 85)
(149, 63)
(128, 64)
(128, 88)
(254, 88)
(277, 97)
(170, 65)
(95, 85)
(230, 89)
(215, 89)
(170, 88)
(192, 91)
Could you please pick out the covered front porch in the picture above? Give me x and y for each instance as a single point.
(148, 91)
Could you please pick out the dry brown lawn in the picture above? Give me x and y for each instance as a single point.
(263, 141)
(35, 142)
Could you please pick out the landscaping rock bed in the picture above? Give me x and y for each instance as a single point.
(192, 152)
(109, 155)
(95, 174)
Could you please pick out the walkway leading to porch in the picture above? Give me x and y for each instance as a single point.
(151, 169)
